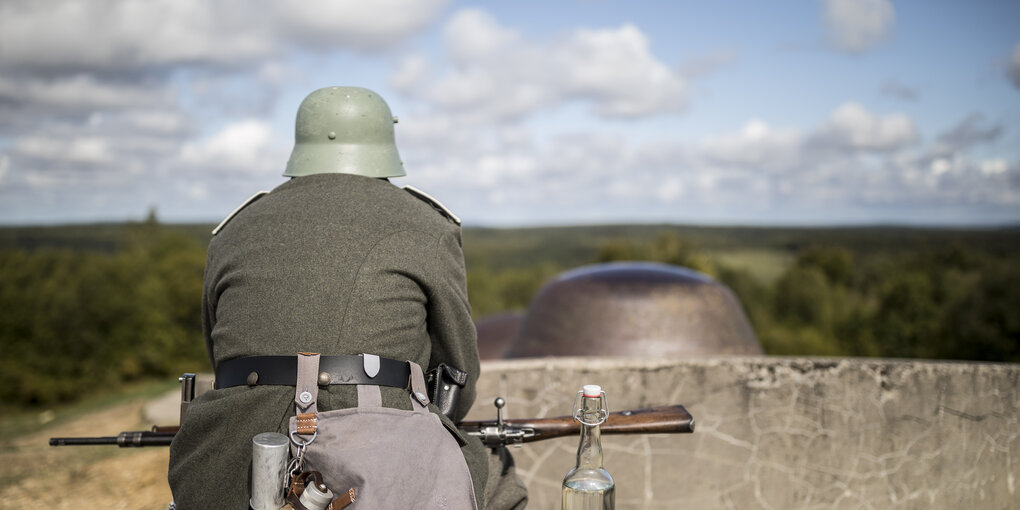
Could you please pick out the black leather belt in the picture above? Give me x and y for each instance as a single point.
(282, 370)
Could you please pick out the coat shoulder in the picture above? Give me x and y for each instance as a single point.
(433, 203)
(239, 208)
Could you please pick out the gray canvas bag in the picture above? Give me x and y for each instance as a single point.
(394, 459)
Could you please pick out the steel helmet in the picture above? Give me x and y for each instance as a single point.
(345, 130)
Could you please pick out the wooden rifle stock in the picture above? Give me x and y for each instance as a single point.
(657, 420)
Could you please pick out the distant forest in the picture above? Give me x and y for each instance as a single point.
(104, 304)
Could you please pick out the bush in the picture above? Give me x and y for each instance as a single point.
(71, 320)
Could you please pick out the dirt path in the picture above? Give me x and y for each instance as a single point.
(36, 475)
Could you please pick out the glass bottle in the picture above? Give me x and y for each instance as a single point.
(589, 486)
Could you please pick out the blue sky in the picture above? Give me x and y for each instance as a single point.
(525, 113)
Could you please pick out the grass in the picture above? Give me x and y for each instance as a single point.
(17, 421)
(765, 265)
(86, 476)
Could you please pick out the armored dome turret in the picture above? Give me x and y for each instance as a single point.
(496, 332)
(634, 309)
(347, 130)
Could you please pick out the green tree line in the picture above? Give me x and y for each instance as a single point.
(75, 321)
(75, 313)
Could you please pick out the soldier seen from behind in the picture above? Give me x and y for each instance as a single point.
(336, 261)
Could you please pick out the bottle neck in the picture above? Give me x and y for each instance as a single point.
(589, 452)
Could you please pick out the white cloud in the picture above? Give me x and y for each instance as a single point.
(123, 35)
(411, 71)
(80, 92)
(473, 35)
(161, 122)
(756, 144)
(941, 166)
(996, 166)
(240, 147)
(197, 191)
(117, 165)
(42, 180)
(671, 189)
(113, 91)
(495, 74)
(83, 150)
(1013, 70)
(972, 131)
(854, 158)
(493, 169)
(104, 100)
(617, 69)
(118, 35)
(5, 166)
(858, 25)
(354, 23)
(851, 126)
(844, 143)
(105, 142)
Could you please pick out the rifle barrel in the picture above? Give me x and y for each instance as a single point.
(124, 439)
(79, 441)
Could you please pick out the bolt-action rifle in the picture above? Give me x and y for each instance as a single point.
(657, 420)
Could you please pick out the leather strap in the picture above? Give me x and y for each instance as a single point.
(306, 389)
(419, 392)
(307, 423)
(282, 370)
(369, 396)
(343, 500)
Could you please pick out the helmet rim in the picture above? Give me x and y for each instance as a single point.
(370, 160)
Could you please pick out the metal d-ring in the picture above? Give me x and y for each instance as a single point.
(300, 444)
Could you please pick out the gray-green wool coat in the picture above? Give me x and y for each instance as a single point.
(328, 263)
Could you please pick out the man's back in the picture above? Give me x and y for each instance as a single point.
(329, 263)
(336, 263)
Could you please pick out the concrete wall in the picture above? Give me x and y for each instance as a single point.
(780, 433)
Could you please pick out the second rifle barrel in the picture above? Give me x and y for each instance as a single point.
(124, 440)
(77, 441)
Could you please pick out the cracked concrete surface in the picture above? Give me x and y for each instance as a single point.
(781, 433)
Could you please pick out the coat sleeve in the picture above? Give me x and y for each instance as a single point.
(451, 329)
(208, 310)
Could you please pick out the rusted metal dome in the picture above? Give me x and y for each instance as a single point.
(634, 309)
(496, 332)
